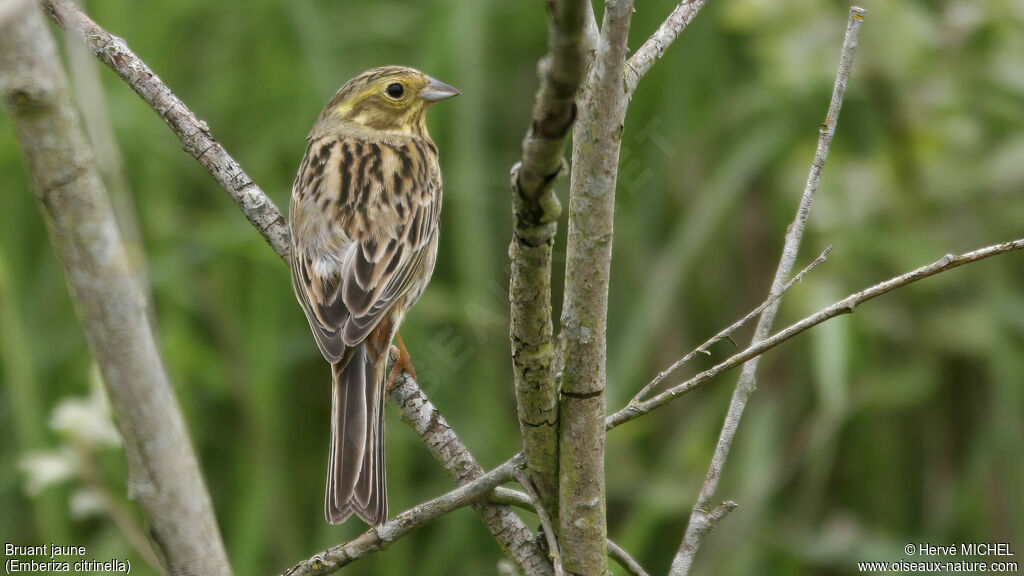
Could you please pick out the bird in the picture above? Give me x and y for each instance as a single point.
(364, 215)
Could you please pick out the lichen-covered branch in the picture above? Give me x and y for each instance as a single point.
(654, 48)
(535, 211)
(380, 537)
(164, 477)
(845, 306)
(194, 134)
(699, 524)
(512, 535)
(596, 142)
(561, 71)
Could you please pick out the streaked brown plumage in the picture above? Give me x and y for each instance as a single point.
(363, 215)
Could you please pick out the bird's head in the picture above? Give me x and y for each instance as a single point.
(389, 98)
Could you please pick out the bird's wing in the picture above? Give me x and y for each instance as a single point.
(385, 200)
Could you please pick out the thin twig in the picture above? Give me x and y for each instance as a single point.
(519, 499)
(654, 48)
(844, 306)
(545, 519)
(727, 332)
(631, 566)
(380, 537)
(513, 536)
(700, 523)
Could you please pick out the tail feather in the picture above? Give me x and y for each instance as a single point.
(355, 476)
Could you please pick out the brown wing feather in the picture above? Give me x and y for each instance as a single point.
(378, 202)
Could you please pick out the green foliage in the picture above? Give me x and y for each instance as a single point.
(901, 423)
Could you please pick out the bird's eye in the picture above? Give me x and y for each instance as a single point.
(395, 90)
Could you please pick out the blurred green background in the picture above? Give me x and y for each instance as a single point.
(901, 423)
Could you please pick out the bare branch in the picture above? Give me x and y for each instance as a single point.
(728, 331)
(545, 520)
(702, 522)
(535, 211)
(844, 306)
(515, 539)
(194, 134)
(513, 536)
(697, 526)
(631, 566)
(615, 552)
(554, 109)
(164, 477)
(596, 142)
(380, 537)
(654, 48)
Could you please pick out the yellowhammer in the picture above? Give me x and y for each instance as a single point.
(363, 215)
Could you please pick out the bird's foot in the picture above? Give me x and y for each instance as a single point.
(403, 362)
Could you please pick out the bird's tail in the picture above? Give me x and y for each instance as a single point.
(355, 470)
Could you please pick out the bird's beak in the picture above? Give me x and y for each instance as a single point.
(435, 91)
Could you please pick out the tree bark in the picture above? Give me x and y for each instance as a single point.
(535, 211)
(596, 141)
(164, 477)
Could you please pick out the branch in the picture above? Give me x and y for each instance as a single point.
(535, 211)
(194, 134)
(508, 529)
(615, 552)
(654, 48)
(513, 536)
(844, 306)
(596, 142)
(164, 477)
(727, 332)
(561, 70)
(699, 524)
(545, 520)
(631, 566)
(380, 537)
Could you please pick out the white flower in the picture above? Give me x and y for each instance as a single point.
(85, 503)
(86, 421)
(44, 469)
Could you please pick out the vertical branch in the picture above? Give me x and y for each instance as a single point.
(596, 141)
(535, 211)
(703, 517)
(164, 475)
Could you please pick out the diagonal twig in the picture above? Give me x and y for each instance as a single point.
(701, 522)
(845, 306)
(728, 331)
(545, 520)
(380, 537)
(194, 133)
(654, 48)
(615, 552)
